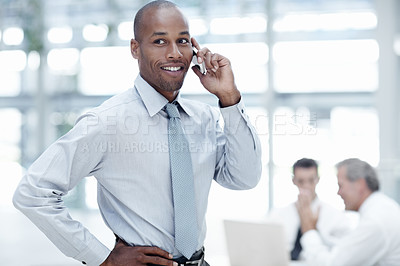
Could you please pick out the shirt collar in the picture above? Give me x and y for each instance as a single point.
(154, 101)
(184, 103)
(367, 202)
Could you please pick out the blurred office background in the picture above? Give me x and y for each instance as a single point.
(320, 79)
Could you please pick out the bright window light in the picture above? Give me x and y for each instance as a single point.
(60, 35)
(107, 70)
(355, 134)
(396, 45)
(11, 133)
(366, 51)
(95, 33)
(91, 193)
(197, 27)
(10, 82)
(251, 62)
(329, 21)
(63, 61)
(349, 65)
(10, 169)
(13, 36)
(363, 21)
(0, 35)
(33, 60)
(12, 60)
(10, 153)
(125, 30)
(238, 25)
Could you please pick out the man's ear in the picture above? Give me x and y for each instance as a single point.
(362, 183)
(134, 48)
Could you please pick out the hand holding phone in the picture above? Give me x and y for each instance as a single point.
(202, 66)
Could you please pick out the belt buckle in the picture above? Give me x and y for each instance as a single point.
(198, 262)
(194, 262)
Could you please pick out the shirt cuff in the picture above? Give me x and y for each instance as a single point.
(94, 254)
(310, 238)
(230, 114)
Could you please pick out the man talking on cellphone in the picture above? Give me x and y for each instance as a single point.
(152, 190)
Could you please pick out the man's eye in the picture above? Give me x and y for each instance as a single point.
(183, 41)
(159, 41)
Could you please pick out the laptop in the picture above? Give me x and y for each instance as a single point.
(256, 243)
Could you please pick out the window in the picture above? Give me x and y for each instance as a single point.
(326, 66)
(12, 62)
(107, 70)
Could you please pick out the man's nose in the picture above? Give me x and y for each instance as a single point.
(174, 52)
(307, 185)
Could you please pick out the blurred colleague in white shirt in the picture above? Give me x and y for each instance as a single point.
(376, 240)
(331, 222)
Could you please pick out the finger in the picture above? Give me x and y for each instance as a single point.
(158, 261)
(197, 71)
(154, 251)
(302, 191)
(202, 54)
(301, 200)
(214, 62)
(208, 61)
(195, 44)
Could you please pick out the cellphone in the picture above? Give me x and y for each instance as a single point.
(202, 66)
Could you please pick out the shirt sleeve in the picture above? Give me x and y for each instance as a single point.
(239, 150)
(333, 224)
(364, 246)
(59, 169)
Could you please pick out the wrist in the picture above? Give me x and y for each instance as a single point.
(229, 99)
(306, 228)
(106, 262)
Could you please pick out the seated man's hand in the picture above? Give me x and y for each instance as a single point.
(308, 218)
(137, 256)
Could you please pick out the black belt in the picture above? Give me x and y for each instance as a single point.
(197, 258)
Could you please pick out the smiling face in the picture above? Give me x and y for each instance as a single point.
(350, 191)
(163, 49)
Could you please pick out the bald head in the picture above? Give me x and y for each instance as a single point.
(139, 18)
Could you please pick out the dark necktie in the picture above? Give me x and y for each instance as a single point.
(186, 235)
(294, 254)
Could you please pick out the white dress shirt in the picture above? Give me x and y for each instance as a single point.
(124, 144)
(376, 240)
(332, 223)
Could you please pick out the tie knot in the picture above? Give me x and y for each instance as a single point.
(172, 110)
